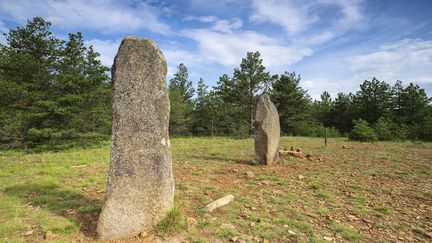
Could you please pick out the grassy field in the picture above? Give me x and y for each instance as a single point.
(367, 192)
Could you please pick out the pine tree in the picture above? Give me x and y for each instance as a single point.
(293, 103)
(250, 81)
(56, 85)
(322, 109)
(181, 93)
(342, 112)
(373, 100)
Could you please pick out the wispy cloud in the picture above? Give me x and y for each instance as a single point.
(101, 16)
(222, 25)
(227, 49)
(408, 59)
(106, 48)
(204, 19)
(300, 19)
(291, 15)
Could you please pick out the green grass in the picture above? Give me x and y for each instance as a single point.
(63, 191)
(383, 210)
(173, 223)
(346, 232)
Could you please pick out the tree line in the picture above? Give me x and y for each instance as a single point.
(377, 111)
(55, 93)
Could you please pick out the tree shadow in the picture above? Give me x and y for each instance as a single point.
(71, 205)
(224, 159)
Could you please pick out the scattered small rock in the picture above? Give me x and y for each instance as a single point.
(192, 222)
(352, 217)
(312, 215)
(265, 183)
(250, 174)
(266, 241)
(278, 192)
(219, 203)
(291, 232)
(31, 195)
(234, 239)
(285, 226)
(48, 235)
(301, 177)
(252, 224)
(70, 212)
(28, 233)
(328, 238)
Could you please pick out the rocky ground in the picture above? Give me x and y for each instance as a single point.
(347, 191)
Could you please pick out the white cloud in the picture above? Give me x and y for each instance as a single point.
(4, 30)
(221, 25)
(204, 19)
(293, 16)
(227, 26)
(407, 60)
(301, 17)
(317, 86)
(175, 56)
(106, 48)
(227, 49)
(102, 16)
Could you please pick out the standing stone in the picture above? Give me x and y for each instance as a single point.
(140, 189)
(267, 131)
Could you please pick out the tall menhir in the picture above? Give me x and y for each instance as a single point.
(140, 190)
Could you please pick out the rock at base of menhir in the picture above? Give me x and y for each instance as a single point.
(140, 190)
(267, 131)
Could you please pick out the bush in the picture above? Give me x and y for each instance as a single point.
(362, 132)
(384, 128)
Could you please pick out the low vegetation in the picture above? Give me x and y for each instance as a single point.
(358, 192)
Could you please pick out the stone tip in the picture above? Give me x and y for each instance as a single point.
(265, 96)
(136, 38)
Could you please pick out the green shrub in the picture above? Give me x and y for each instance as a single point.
(388, 130)
(421, 131)
(362, 132)
(401, 132)
(384, 128)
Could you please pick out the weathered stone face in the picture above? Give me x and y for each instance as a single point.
(267, 131)
(140, 188)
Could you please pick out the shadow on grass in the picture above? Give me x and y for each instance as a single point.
(73, 206)
(224, 159)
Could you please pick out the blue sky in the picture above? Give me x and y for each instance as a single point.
(333, 44)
